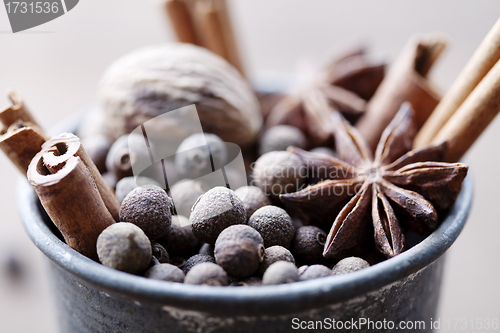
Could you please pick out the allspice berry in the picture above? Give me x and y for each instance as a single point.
(313, 272)
(125, 247)
(207, 274)
(125, 185)
(196, 154)
(279, 172)
(348, 265)
(308, 244)
(252, 281)
(274, 225)
(165, 272)
(274, 254)
(150, 209)
(253, 198)
(180, 240)
(160, 253)
(281, 272)
(126, 151)
(207, 249)
(280, 137)
(214, 211)
(239, 249)
(196, 260)
(185, 193)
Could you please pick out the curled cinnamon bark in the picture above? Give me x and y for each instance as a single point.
(405, 81)
(59, 149)
(21, 137)
(71, 198)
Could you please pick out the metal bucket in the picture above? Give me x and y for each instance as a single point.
(90, 297)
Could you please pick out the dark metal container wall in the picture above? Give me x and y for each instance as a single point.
(93, 298)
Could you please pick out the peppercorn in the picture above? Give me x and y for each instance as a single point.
(313, 272)
(97, 147)
(160, 253)
(279, 172)
(281, 272)
(125, 185)
(348, 265)
(252, 281)
(180, 241)
(274, 225)
(308, 244)
(207, 249)
(125, 247)
(128, 150)
(325, 151)
(214, 211)
(280, 137)
(273, 254)
(239, 249)
(207, 274)
(165, 272)
(185, 193)
(253, 198)
(195, 155)
(195, 260)
(148, 208)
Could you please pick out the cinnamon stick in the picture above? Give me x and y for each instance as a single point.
(472, 117)
(21, 137)
(229, 37)
(485, 57)
(72, 200)
(66, 145)
(405, 81)
(182, 21)
(215, 31)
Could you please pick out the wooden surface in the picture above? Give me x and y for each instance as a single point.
(57, 67)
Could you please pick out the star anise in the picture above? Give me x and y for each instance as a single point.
(396, 188)
(346, 83)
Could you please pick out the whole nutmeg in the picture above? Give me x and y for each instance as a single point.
(148, 208)
(313, 272)
(180, 240)
(156, 79)
(165, 272)
(185, 193)
(274, 225)
(279, 172)
(214, 211)
(208, 274)
(280, 137)
(274, 254)
(348, 265)
(196, 260)
(308, 244)
(239, 249)
(125, 185)
(125, 247)
(253, 198)
(281, 272)
(197, 154)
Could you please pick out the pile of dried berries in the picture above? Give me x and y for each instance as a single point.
(277, 231)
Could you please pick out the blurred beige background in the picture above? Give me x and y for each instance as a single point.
(56, 67)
